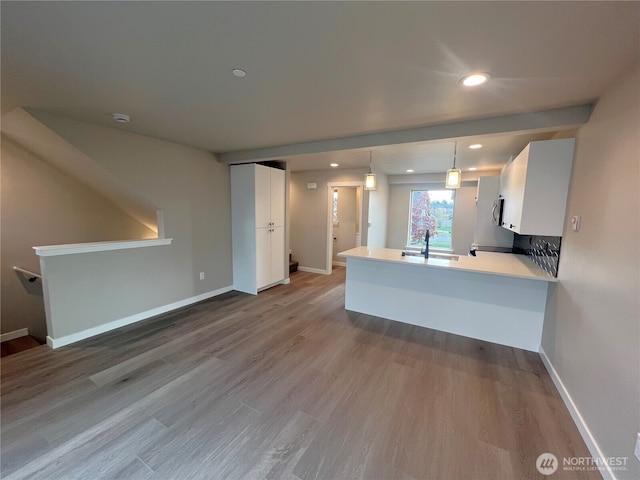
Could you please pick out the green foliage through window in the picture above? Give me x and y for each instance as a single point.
(431, 210)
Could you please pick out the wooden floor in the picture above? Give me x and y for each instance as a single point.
(17, 345)
(285, 385)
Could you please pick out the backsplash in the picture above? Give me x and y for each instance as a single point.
(543, 251)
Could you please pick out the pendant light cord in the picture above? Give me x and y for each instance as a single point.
(455, 149)
(370, 159)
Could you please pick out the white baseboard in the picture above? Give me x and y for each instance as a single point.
(313, 270)
(339, 264)
(5, 337)
(583, 428)
(106, 327)
(286, 281)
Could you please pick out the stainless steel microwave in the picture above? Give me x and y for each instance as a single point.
(496, 211)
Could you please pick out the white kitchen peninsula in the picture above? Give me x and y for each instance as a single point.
(496, 297)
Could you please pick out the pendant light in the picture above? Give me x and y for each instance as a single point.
(454, 175)
(370, 178)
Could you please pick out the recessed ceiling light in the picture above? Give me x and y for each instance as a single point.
(410, 170)
(121, 118)
(238, 72)
(475, 79)
(334, 165)
(475, 146)
(473, 169)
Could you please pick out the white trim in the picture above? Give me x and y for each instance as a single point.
(349, 183)
(73, 248)
(106, 327)
(329, 232)
(583, 428)
(431, 249)
(27, 273)
(5, 337)
(160, 223)
(313, 270)
(285, 281)
(339, 264)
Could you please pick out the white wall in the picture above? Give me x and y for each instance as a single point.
(92, 290)
(592, 336)
(464, 216)
(192, 189)
(43, 206)
(378, 212)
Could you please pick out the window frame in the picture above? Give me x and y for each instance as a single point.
(408, 246)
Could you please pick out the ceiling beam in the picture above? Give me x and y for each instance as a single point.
(569, 117)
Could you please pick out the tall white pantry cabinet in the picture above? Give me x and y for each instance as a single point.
(257, 226)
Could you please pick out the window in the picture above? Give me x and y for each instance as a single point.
(335, 205)
(431, 210)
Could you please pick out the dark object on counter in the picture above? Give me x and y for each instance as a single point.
(426, 246)
(488, 248)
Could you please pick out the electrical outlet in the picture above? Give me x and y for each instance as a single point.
(201, 275)
(637, 450)
(575, 223)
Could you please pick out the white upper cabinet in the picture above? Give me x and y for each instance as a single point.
(277, 202)
(535, 186)
(270, 196)
(263, 196)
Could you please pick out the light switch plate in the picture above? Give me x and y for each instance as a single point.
(637, 450)
(201, 275)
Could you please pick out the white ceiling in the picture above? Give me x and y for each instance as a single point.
(315, 70)
(424, 157)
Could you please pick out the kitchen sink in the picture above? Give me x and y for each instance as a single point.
(439, 256)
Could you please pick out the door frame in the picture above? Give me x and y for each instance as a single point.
(330, 186)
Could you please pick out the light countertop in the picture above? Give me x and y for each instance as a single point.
(506, 264)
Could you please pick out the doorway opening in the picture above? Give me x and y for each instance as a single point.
(344, 220)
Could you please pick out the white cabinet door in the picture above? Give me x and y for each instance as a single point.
(270, 265)
(547, 185)
(505, 192)
(535, 187)
(263, 196)
(263, 257)
(277, 197)
(277, 254)
(517, 178)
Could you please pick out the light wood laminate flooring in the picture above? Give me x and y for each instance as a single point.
(283, 385)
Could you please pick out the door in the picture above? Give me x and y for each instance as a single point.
(263, 257)
(263, 196)
(277, 200)
(346, 228)
(517, 178)
(277, 254)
